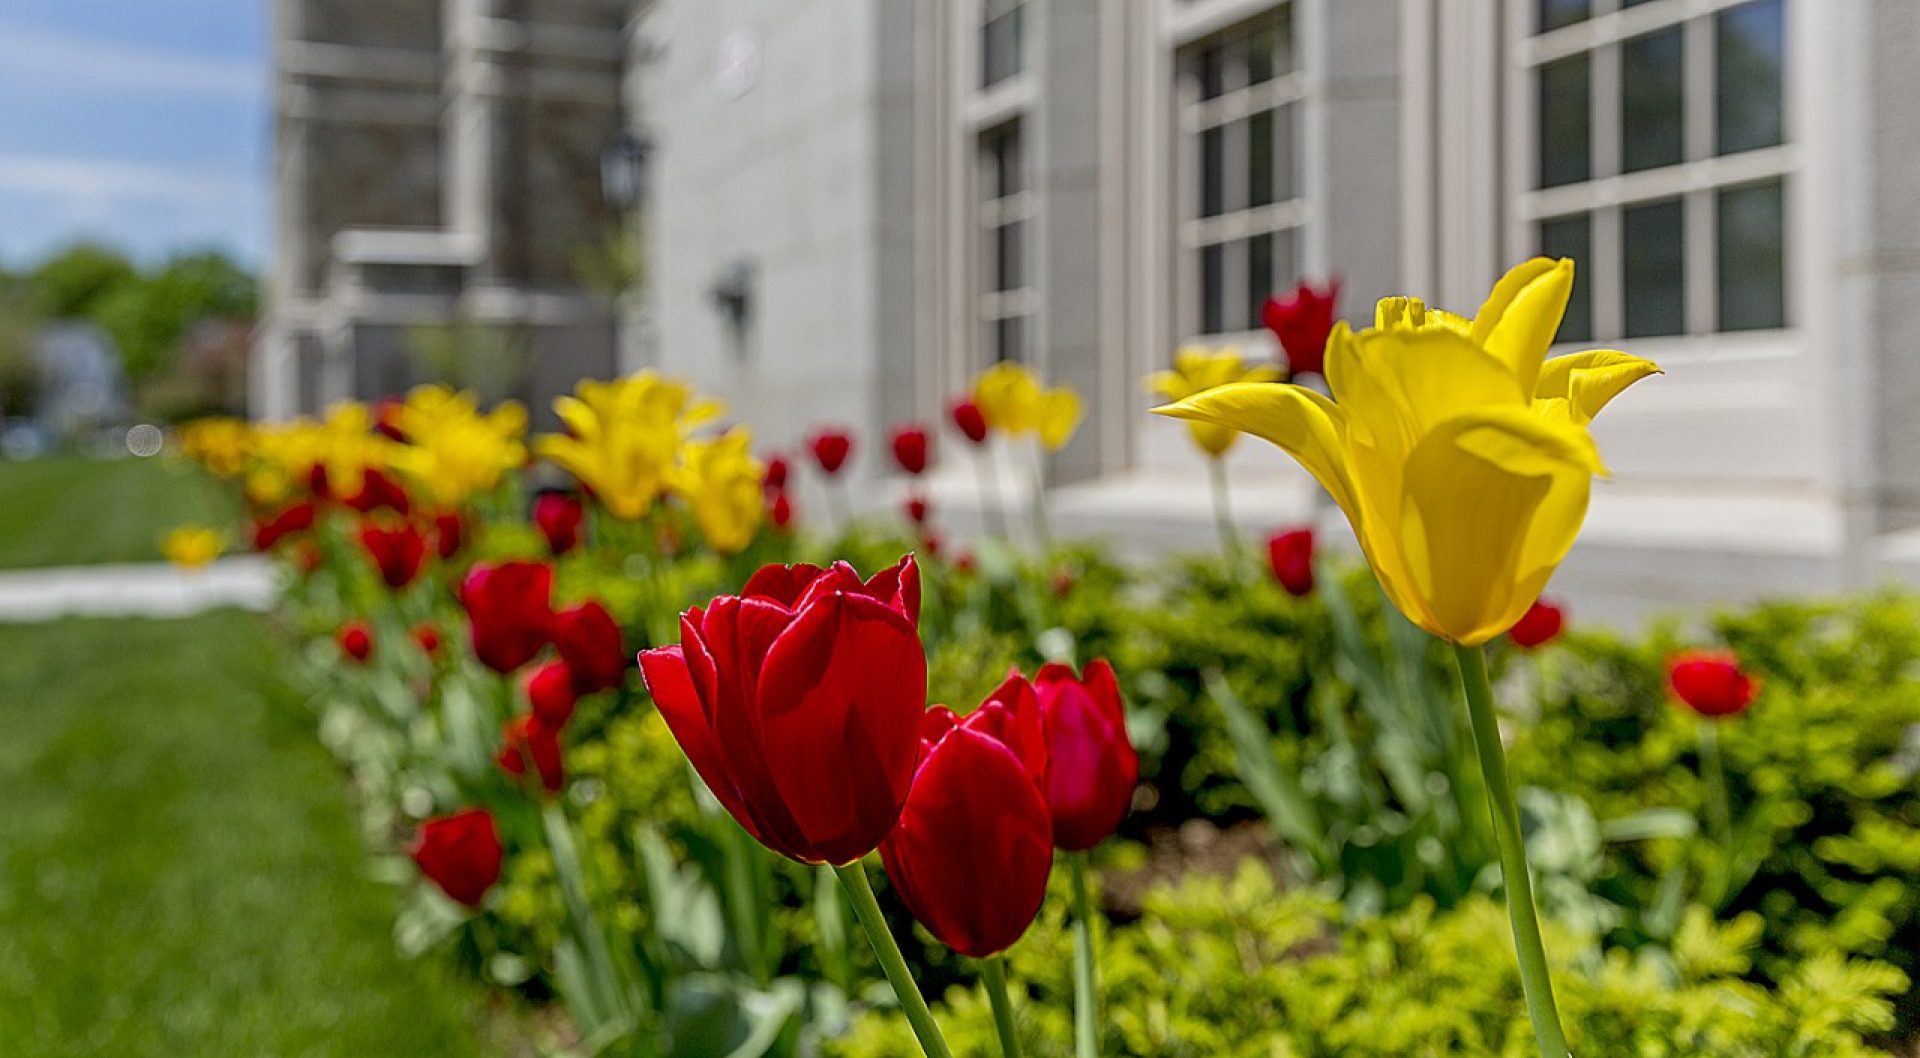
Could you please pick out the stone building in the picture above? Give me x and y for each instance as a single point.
(853, 205)
(438, 166)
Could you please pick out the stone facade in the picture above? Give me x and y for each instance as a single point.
(439, 166)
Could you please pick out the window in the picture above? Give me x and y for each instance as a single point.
(1660, 164)
(1239, 117)
(1006, 213)
(1002, 40)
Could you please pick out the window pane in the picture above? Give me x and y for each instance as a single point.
(1000, 47)
(1259, 275)
(1651, 244)
(1007, 338)
(1006, 266)
(1573, 237)
(1213, 171)
(1652, 121)
(1748, 48)
(1565, 118)
(1213, 293)
(1003, 171)
(1752, 256)
(1262, 46)
(1557, 13)
(1210, 69)
(1260, 159)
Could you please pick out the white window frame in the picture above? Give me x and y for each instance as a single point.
(1012, 100)
(1193, 115)
(1695, 180)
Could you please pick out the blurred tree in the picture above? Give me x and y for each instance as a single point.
(148, 318)
(73, 282)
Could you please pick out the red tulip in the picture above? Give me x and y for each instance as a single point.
(917, 510)
(377, 490)
(356, 641)
(799, 704)
(397, 551)
(460, 853)
(1710, 682)
(910, 448)
(427, 638)
(557, 515)
(449, 534)
(1291, 554)
(831, 449)
(974, 846)
(1540, 625)
(775, 478)
(1092, 767)
(968, 419)
(780, 510)
(386, 419)
(296, 517)
(526, 736)
(588, 639)
(1301, 323)
(550, 694)
(508, 606)
(317, 484)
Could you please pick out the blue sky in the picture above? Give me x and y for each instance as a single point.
(145, 124)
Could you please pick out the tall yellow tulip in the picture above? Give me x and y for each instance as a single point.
(1458, 452)
(623, 437)
(453, 450)
(1012, 400)
(721, 482)
(192, 546)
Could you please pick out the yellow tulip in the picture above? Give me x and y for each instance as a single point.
(721, 483)
(1197, 369)
(192, 546)
(623, 437)
(1459, 454)
(219, 443)
(452, 450)
(1012, 401)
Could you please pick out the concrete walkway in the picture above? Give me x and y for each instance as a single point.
(137, 590)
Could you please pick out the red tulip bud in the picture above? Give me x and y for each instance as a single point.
(1540, 625)
(397, 551)
(831, 449)
(427, 638)
(799, 704)
(780, 510)
(528, 736)
(588, 639)
(1291, 553)
(974, 845)
(557, 515)
(550, 694)
(460, 853)
(910, 444)
(378, 491)
(1301, 323)
(917, 510)
(509, 609)
(449, 534)
(356, 641)
(1092, 767)
(968, 419)
(295, 518)
(1710, 682)
(775, 478)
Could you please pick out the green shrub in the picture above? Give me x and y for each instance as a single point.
(1234, 968)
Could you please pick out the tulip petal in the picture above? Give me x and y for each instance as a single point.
(1397, 385)
(670, 683)
(1300, 422)
(781, 584)
(1588, 380)
(1493, 502)
(1060, 412)
(1522, 314)
(840, 701)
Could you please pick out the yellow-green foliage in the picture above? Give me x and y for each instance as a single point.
(1233, 968)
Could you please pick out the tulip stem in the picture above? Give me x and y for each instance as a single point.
(1714, 774)
(1085, 999)
(853, 878)
(1223, 507)
(991, 512)
(1042, 531)
(995, 974)
(1531, 952)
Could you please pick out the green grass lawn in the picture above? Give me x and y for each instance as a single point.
(179, 870)
(70, 510)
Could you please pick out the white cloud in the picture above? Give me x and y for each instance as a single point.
(93, 181)
(64, 59)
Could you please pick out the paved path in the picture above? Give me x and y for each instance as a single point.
(138, 590)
